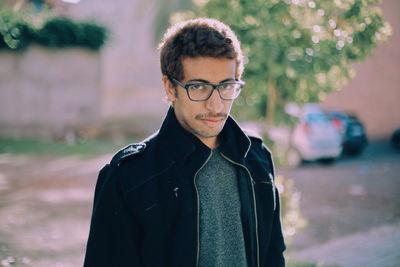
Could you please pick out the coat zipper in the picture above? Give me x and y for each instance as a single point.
(254, 203)
(198, 209)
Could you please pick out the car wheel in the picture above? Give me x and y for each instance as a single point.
(353, 151)
(327, 161)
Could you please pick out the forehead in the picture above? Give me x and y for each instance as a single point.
(208, 68)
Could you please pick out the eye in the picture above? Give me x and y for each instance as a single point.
(227, 86)
(196, 87)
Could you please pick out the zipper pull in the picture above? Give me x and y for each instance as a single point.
(176, 191)
(272, 179)
(270, 176)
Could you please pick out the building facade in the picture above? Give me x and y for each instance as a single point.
(374, 93)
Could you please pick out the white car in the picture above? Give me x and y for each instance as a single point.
(314, 136)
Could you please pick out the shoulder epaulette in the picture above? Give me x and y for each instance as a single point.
(128, 151)
(253, 135)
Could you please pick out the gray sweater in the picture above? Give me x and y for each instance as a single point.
(221, 232)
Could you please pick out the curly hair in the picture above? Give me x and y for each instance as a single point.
(201, 37)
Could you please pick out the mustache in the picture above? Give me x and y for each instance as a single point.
(211, 116)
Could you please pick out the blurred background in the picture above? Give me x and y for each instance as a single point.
(80, 79)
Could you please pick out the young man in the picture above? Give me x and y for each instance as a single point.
(199, 192)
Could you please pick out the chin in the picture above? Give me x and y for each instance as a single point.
(209, 134)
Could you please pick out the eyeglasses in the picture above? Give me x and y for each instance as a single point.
(203, 91)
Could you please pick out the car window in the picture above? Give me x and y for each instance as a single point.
(317, 118)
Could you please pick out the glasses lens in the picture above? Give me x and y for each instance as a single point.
(199, 91)
(230, 91)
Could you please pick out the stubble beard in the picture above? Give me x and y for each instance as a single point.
(213, 132)
(203, 134)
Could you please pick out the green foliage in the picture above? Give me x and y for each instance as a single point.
(17, 36)
(63, 32)
(298, 50)
(93, 36)
(58, 32)
(17, 31)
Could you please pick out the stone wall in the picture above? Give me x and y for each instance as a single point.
(131, 78)
(46, 91)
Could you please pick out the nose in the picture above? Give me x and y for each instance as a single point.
(214, 103)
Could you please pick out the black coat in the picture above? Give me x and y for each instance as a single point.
(146, 210)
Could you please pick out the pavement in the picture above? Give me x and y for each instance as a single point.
(45, 209)
(378, 247)
(352, 209)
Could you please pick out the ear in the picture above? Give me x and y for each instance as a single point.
(169, 88)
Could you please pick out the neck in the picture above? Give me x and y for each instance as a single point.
(211, 142)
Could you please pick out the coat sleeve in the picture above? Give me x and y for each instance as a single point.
(275, 257)
(114, 233)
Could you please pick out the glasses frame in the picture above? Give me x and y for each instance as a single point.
(214, 86)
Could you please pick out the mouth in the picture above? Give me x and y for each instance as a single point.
(212, 122)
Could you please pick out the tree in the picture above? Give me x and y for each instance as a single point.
(298, 50)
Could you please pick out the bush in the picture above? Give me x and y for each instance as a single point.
(16, 36)
(16, 33)
(63, 32)
(93, 36)
(58, 32)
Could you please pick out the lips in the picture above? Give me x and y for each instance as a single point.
(212, 122)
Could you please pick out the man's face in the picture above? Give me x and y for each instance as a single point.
(204, 119)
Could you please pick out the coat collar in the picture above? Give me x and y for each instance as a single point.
(179, 143)
(173, 145)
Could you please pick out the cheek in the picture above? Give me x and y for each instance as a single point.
(186, 109)
(228, 106)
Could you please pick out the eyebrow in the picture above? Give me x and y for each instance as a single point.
(205, 81)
